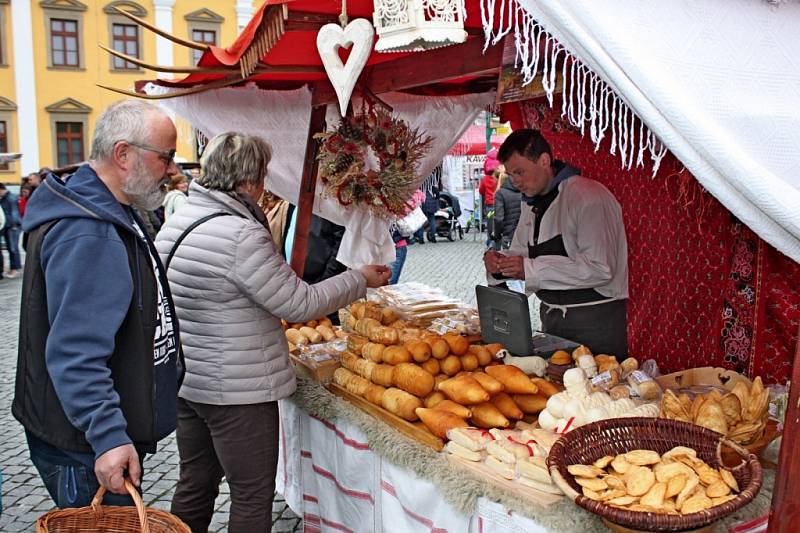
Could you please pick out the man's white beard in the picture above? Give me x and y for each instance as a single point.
(141, 190)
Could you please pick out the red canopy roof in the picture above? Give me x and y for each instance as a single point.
(473, 142)
(295, 58)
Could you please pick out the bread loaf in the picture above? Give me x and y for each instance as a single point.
(394, 355)
(382, 375)
(434, 398)
(325, 321)
(530, 404)
(464, 390)
(365, 325)
(547, 388)
(355, 343)
(373, 351)
(439, 348)
(494, 348)
(420, 350)
(431, 366)
(411, 378)
(506, 405)
(513, 379)
(296, 337)
(453, 407)
(401, 403)
(451, 365)
(491, 385)
(439, 422)
(326, 332)
(469, 362)
(486, 415)
(483, 355)
(374, 394)
(458, 344)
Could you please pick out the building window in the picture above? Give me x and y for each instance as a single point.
(126, 40)
(205, 37)
(3, 142)
(64, 42)
(69, 143)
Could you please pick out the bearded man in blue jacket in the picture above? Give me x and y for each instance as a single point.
(99, 361)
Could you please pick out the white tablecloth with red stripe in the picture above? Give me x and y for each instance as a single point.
(330, 477)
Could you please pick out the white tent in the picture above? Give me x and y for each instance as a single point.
(717, 81)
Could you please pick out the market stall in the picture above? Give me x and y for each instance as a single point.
(342, 465)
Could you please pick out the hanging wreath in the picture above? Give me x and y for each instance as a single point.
(398, 150)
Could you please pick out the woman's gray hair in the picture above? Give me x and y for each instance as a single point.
(232, 159)
(125, 120)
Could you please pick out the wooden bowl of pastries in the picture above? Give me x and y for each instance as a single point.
(653, 474)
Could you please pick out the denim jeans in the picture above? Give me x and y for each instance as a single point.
(69, 479)
(11, 236)
(397, 265)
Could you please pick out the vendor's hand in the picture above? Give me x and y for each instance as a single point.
(110, 467)
(377, 275)
(490, 261)
(512, 266)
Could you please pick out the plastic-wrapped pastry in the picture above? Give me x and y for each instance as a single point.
(588, 365)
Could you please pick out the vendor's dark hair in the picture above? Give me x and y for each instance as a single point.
(527, 143)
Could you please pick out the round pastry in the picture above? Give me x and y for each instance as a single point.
(574, 377)
(587, 363)
(579, 351)
(560, 358)
(556, 403)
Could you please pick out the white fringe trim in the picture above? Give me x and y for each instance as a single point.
(587, 101)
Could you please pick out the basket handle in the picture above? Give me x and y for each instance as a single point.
(562, 484)
(137, 501)
(741, 450)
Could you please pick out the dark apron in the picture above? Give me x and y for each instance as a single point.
(603, 328)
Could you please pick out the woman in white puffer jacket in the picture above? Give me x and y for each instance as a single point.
(231, 287)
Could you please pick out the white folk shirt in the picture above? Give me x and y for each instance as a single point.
(589, 219)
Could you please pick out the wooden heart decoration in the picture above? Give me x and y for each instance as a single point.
(330, 38)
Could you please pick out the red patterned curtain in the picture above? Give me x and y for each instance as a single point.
(704, 289)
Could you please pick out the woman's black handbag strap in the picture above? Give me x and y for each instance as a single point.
(187, 231)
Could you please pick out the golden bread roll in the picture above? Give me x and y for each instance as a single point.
(560, 357)
(296, 337)
(506, 405)
(401, 403)
(439, 348)
(451, 365)
(388, 316)
(453, 407)
(326, 332)
(312, 323)
(365, 325)
(513, 379)
(489, 383)
(372, 311)
(434, 398)
(464, 390)
(355, 343)
(548, 388)
(408, 334)
(439, 422)
(357, 309)
(401, 325)
(420, 350)
(438, 378)
(325, 321)
(411, 378)
(297, 325)
(483, 355)
(348, 360)
(530, 404)
(432, 366)
(383, 335)
(394, 355)
(373, 351)
(469, 362)
(486, 415)
(382, 375)
(493, 348)
(374, 394)
(458, 344)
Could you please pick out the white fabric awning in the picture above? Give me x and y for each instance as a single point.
(282, 118)
(717, 81)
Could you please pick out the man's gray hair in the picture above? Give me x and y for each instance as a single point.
(125, 120)
(232, 159)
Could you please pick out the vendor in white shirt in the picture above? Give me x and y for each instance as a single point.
(569, 247)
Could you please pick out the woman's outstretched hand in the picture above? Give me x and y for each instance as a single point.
(377, 275)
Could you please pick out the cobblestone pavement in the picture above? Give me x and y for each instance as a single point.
(455, 267)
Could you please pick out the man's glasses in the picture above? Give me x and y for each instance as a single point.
(167, 156)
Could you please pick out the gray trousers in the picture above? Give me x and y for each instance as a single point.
(239, 442)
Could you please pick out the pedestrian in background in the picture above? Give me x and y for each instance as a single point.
(486, 189)
(11, 231)
(98, 365)
(429, 206)
(177, 189)
(231, 299)
(507, 199)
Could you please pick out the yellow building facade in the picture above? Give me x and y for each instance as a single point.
(51, 65)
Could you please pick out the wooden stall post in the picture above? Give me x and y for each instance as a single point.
(308, 184)
(784, 516)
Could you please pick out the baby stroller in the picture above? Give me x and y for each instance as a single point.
(447, 224)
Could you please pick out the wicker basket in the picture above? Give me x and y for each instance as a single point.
(111, 519)
(588, 443)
